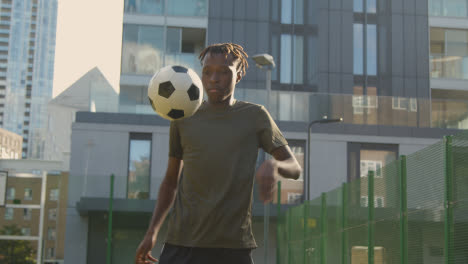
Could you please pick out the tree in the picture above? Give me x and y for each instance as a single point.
(15, 251)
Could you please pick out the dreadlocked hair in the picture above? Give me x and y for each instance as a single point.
(235, 50)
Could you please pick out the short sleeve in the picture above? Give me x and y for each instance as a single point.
(175, 147)
(268, 134)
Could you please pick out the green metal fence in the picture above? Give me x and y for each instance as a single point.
(414, 210)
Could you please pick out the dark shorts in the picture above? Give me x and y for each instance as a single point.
(173, 254)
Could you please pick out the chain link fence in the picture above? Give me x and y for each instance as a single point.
(413, 210)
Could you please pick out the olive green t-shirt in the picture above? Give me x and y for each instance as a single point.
(219, 148)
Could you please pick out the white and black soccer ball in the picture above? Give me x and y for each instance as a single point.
(175, 92)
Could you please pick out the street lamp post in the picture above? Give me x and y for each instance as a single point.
(325, 120)
(266, 61)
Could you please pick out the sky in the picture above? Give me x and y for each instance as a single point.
(89, 34)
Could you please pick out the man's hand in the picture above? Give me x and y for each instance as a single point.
(267, 175)
(143, 253)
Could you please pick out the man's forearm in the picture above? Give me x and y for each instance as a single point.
(166, 197)
(288, 168)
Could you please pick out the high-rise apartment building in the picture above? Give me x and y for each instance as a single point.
(27, 46)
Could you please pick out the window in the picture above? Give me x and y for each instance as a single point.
(187, 8)
(292, 9)
(25, 231)
(9, 213)
(449, 53)
(10, 193)
(405, 103)
(28, 194)
(379, 201)
(363, 157)
(294, 198)
(51, 234)
(358, 47)
(364, 201)
(50, 252)
(151, 7)
(371, 49)
(370, 56)
(139, 166)
(371, 165)
(53, 214)
(54, 194)
(371, 7)
(292, 59)
(367, 101)
(144, 50)
(27, 213)
(312, 61)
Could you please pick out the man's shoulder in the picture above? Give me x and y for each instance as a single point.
(249, 105)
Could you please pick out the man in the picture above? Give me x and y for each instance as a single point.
(217, 146)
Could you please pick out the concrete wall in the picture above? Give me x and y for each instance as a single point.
(99, 150)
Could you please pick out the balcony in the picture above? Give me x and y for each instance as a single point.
(450, 67)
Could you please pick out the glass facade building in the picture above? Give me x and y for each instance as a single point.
(27, 49)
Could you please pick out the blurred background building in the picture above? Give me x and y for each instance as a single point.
(35, 210)
(27, 49)
(10, 145)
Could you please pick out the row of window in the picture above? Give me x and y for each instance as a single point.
(51, 232)
(28, 194)
(146, 49)
(27, 212)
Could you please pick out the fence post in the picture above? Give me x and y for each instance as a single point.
(448, 200)
(323, 229)
(109, 225)
(306, 218)
(288, 221)
(402, 172)
(344, 223)
(278, 223)
(370, 191)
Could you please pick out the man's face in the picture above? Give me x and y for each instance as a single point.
(219, 77)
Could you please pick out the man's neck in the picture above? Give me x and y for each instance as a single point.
(223, 104)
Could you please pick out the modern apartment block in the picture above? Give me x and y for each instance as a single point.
(36, 192)
(27, 47)
(10, 145)
(366, 61)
